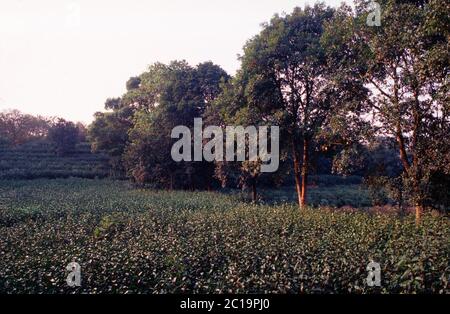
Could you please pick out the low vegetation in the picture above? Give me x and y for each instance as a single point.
(143, 241)
(363, 115)
(39, 159)
(331, 196)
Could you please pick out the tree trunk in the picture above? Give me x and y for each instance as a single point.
(303, 202)
(298, 184)
(254, 193)
(402, 149)
(419, 210)
(415, 164)
(401, 209)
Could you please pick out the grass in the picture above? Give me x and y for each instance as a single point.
(141, 241)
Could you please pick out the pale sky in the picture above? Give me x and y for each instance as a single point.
(66, 57)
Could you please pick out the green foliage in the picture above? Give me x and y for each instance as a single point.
(405, 64)
(348, 195)
(109, 134)
(108, 226)
(137, 133)
(183, 93)
(288, 77)
(333, 84)
(175, 242)
(37, 159)
(64, 135)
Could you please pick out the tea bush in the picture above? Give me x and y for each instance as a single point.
(140, 241)
(335, 196)
(38, 159)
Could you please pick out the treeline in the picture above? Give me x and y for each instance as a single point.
(335, 86)
(33, 147)
(17, 128)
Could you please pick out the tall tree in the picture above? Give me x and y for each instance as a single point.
(231, 108)
(287, 76)
(109, 133)
(65, 135)
(405, 64)
(168, 96)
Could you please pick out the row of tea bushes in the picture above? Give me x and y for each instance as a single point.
(38, 159)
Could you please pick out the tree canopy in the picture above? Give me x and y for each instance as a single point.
(369, 99)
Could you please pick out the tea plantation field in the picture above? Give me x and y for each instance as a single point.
(141, 241)
(38, 159)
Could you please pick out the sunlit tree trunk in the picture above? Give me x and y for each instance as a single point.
(419, 210)
(298, 184)
(416, 171)
(407, 168)
(411, 170)
(303, 201)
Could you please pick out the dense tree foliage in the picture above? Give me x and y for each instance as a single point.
(65, 135)
(137, 133)
(109, 133)
(349, 97)
(405, 64)
(289, 78)
(17, 128)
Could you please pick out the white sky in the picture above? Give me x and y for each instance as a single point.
(66, 57)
